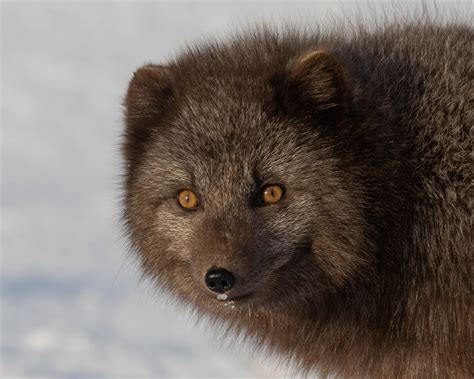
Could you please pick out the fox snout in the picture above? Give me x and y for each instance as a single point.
(219, 280)
(228, 283)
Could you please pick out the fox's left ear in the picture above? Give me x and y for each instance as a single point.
(319, 78)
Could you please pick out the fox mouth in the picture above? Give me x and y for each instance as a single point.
(224, 297)
(236, 297)
(231, 299)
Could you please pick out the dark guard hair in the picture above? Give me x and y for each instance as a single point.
(363, 268)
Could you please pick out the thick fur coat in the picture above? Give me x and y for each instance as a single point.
(364, 267)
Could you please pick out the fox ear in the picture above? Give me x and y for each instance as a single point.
(149, 93)
(320, 78)
(149, 98)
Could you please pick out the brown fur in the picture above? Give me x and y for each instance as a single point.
(364, 267)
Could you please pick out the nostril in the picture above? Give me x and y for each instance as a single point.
(219, 280)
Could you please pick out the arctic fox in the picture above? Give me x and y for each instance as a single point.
(321, 184)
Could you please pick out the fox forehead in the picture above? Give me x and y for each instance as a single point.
(234, 160)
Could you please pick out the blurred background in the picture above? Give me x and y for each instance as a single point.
(72, 303)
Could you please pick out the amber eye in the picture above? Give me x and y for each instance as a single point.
(187, 199)
(272, 194)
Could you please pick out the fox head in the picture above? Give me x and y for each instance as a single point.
(238, 185)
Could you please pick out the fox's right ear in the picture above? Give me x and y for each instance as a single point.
(149, 93)
(150, 96)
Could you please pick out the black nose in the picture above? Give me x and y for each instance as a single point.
(219, 280)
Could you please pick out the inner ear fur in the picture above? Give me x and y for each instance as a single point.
(318, 76)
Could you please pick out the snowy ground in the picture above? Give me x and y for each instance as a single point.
(72, 305)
